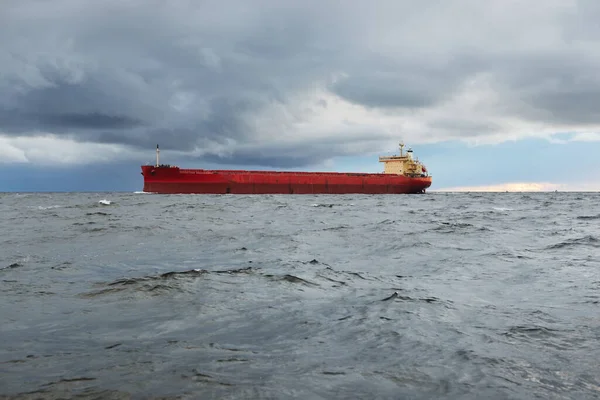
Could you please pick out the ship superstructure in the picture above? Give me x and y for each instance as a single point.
(403, 164)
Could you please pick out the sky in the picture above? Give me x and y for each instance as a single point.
(490, 95)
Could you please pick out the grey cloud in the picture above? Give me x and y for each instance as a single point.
(91, 121)
(558, 87)
(577, 106)
(465, 128)
(282, 155)
(244, 157)
(385, 92)
(147, 72)
(421, 82)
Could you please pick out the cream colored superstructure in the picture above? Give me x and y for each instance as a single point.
(404, 164)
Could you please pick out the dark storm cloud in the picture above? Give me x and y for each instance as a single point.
(200, 74)
(183, 79)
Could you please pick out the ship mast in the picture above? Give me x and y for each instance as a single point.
(157, 152)
(401, 147)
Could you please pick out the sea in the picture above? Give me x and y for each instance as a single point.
(429, 296)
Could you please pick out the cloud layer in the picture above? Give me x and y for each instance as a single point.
(290, 84)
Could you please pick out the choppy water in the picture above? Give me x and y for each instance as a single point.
(310, 297)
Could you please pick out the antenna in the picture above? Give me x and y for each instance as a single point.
(157, 152)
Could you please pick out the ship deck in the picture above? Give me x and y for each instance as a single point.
(268, 172)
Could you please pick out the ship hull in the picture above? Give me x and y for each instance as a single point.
(165, 180)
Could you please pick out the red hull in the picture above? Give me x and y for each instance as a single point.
(172, 180)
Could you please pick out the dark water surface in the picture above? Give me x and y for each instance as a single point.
(462, 296)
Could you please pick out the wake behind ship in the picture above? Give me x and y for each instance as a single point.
(402, 175)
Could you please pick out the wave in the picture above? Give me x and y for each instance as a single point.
(12, 266)
(156, 283)
(458, 227)
(173, 280)
(397, 296)
(588, 217)
(48, 207)
(588, 240)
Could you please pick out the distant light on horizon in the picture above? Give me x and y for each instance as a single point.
(524, 187)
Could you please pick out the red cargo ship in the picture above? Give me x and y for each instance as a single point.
(402, 174)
